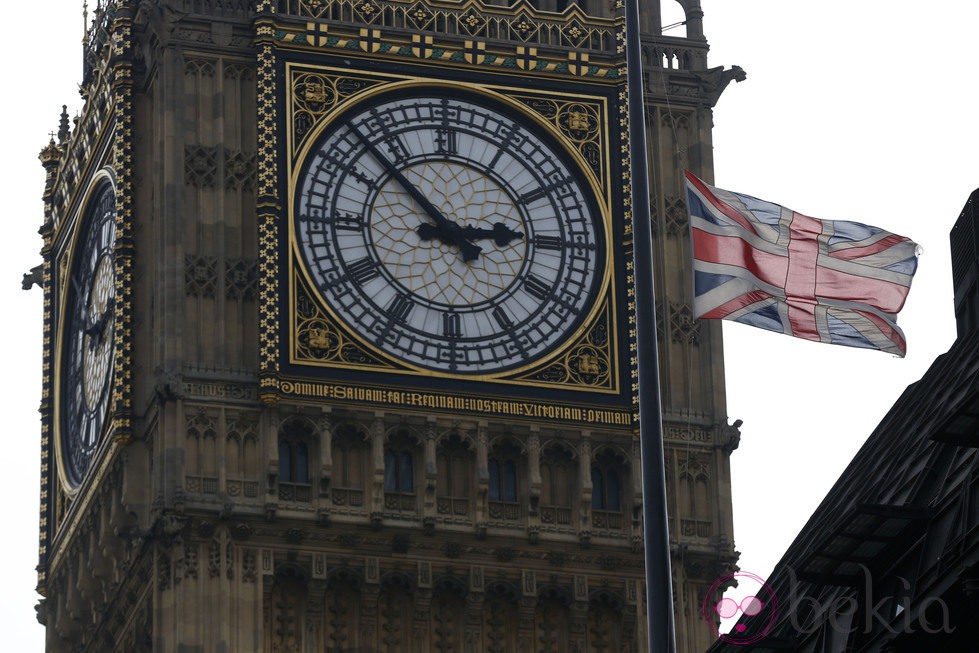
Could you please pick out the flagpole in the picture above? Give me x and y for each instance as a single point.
(659, 592)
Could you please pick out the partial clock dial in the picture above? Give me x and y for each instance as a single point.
(449, 232)
(88, 351)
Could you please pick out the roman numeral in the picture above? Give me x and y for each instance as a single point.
(451, 327)
(396, 148)
(362, 177)
(548, 242)
(502, 318)
(347, 222)
(533, 195)
(541, 191)
(446, 141)
(536, 287)
(363, 270)
(399, 308)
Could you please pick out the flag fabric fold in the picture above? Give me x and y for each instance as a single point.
(762, 264)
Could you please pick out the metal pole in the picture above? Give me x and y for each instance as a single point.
(659, 592)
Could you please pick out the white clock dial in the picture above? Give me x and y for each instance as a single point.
(449, 232)
(88, 345)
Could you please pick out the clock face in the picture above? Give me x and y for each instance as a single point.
(449, 232)
(88, 337)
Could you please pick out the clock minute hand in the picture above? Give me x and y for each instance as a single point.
(445, 230)
(96, 331)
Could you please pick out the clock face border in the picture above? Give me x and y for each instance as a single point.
(597, 211)
(290, 118)
(103, 181)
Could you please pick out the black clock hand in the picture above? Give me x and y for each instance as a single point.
(444, 229)
(97, 330)
(500, 233)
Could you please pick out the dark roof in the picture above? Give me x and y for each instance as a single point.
(887, 499)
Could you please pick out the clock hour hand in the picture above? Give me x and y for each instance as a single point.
(500, 233)
(97, 329)
(444, 229)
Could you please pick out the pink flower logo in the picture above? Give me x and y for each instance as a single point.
(755, 607)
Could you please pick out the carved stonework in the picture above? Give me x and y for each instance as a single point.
(683, 327)
(239, 170)
(200, 275)
(676, 216)
(200, 165)
(241, 279)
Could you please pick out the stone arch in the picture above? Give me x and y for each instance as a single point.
(500, 617)
(395, 603)
(342, 610)
(605, 609)
(552, 620)
(286, 628)
(448, 614)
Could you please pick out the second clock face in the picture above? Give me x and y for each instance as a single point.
(449, 233)
(88, 354)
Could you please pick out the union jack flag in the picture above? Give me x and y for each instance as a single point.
(762, 264)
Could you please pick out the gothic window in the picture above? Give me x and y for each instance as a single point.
(350, 460)
(559, 484)
(607, 476)
(399, 472)
(694, 497)
(241, 458)
(454, 462)
(295, 443)
(201, 457)
(504, 489)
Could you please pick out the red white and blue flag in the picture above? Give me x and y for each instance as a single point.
(762, 264)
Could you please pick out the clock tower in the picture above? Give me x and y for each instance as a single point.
(340, 331)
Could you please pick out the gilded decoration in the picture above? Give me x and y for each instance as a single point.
(521, 37)
(590, 362)
(580, 122)
(318, 338)
(268, 209)
(315, 94)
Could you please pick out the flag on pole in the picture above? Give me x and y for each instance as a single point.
(762, 264)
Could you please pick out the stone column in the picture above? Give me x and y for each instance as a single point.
(377, 460)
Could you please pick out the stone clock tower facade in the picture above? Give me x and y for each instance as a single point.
(339, 331)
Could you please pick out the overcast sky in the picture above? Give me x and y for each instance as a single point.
(851, 110)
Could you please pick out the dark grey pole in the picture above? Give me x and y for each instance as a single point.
(659, 592)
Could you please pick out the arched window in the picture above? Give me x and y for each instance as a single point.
(558, 485)
(399, 472)
(454, 462)
(350, 459)
(606, 497)
(503, 466)
(294, 455)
